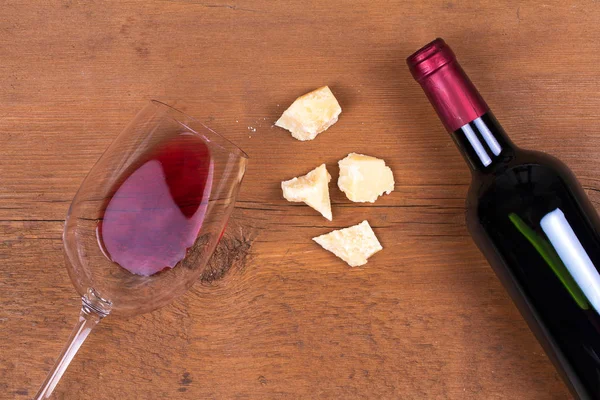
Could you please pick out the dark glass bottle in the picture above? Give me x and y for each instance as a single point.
(531, 219)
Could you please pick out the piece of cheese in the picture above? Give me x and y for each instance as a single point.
(312, 188)
(364, 178)
(353, 245)
(311, 114)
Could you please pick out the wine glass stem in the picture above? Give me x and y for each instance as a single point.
(88, 319)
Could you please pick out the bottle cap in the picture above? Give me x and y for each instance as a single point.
(455, 99)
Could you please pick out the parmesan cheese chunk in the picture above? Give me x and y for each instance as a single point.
(312, 189)
(364, 178)
(311, 114)
(353, 245)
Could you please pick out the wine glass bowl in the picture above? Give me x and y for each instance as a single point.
(146, 219)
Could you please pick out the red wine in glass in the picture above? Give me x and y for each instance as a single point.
(156, 211)
(146, 220)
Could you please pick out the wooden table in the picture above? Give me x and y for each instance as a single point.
(425, 319)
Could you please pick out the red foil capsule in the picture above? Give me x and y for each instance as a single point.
(453, 96)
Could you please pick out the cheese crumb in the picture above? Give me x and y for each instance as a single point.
(364, 178)
(354, 245)
(312, 189)
(311, 114)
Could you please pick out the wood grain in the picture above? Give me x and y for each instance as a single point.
(281, 318)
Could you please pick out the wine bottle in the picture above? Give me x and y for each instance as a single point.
(531, 219)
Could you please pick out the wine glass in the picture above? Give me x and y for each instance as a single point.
(146, 219)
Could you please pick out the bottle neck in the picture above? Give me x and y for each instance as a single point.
(483, 143)
(460, 107)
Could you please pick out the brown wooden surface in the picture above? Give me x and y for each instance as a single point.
(425, 319)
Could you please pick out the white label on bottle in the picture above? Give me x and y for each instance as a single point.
(476, 145)
(573, 255)
(488, 136)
